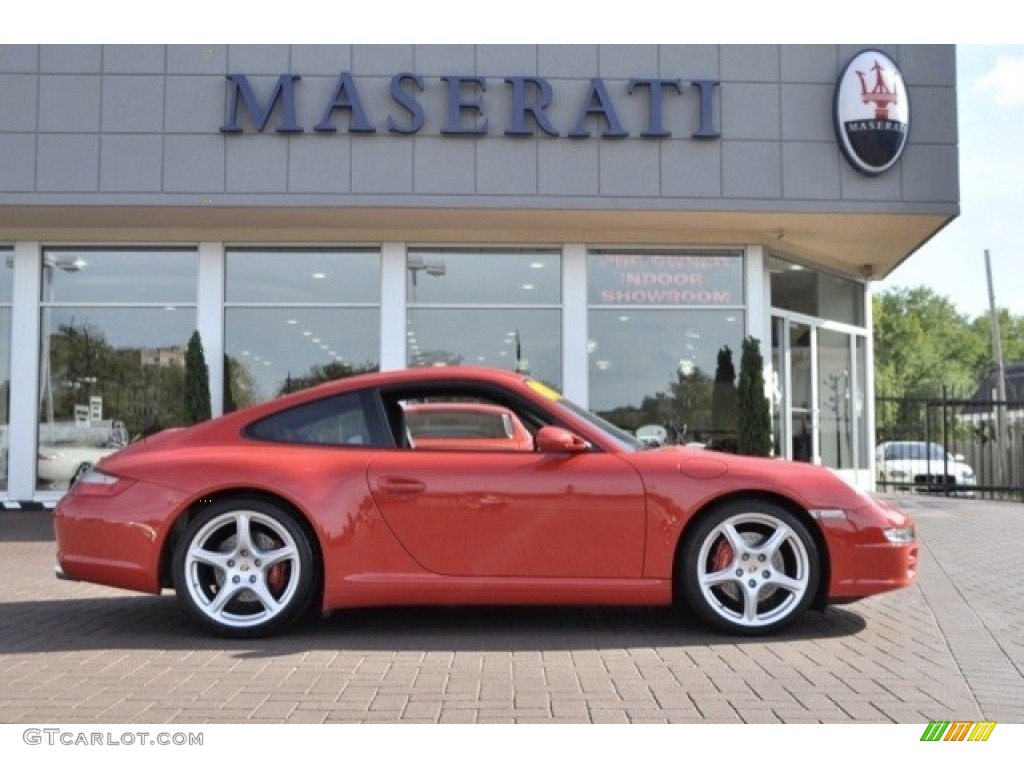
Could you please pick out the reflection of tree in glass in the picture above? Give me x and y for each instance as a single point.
(143, 387)
(318, 374)
(653, 409)
(685, 410)
(754, 425)
(197, 382)
(723, 400)
(691, 395)
(240, 388)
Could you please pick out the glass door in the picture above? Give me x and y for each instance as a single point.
(803, 407)
(794, 409)
(835, 386)
(819, 382)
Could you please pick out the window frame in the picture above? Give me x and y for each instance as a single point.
(375, 423)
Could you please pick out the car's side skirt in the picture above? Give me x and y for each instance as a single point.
(429, 589)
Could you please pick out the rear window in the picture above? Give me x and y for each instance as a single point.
(340, 420)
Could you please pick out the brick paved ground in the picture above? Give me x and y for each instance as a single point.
(950, 648)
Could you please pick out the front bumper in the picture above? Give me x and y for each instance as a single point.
(864, 561)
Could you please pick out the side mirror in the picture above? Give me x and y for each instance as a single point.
(558, 440)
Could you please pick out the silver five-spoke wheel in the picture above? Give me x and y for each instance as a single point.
(750, 567)
(244, 568)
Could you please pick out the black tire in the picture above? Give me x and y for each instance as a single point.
(749, 567)
(80, 470)
(244, 568)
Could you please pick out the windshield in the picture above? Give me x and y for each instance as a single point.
(915, 451)
(625, 440)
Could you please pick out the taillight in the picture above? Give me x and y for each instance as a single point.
(97, 483)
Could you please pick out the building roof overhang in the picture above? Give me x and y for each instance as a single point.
(869, 243)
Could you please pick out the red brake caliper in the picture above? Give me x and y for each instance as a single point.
(277, 576)
(722, 556)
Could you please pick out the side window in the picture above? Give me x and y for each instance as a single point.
(435, 419)
(341, 420)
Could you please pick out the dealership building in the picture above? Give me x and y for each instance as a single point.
(614, 220)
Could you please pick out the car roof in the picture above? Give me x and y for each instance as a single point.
(460, 407)
(229, 423)
(413, 375)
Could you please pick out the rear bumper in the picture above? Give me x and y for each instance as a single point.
(115, 540)
(61, 576)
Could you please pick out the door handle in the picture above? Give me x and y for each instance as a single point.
(401, 486)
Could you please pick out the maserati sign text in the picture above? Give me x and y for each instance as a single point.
(468, 109)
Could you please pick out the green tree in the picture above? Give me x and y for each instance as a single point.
(1011, 334)
(197, 382)
(754, 414)
(923, 343)
(318, 374)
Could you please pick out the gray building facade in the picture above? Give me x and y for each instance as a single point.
(613, 219)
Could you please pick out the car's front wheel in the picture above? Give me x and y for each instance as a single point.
(244, 568)
(749, 567)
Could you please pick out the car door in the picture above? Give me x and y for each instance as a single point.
(516, 514)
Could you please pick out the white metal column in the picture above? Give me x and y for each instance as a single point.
(22, 432)
(815, 399)
(759, 321)
(869, 384)
(210, 318)
(575, 381)
(392, 307)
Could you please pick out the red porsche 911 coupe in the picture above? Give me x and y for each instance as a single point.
(323, 500)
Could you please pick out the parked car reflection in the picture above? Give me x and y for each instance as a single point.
(67, 451)
(472, 426)
(61, 464)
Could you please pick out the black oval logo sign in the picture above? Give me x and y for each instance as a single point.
(872, 112)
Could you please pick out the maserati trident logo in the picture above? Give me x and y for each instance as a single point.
(872, 112)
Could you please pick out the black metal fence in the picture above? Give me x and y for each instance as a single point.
(967, 431)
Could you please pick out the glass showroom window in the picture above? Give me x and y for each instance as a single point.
(6, 294)
(298, 317)
(114, 327)
(496, 307)
(797, 288)
(664, 339)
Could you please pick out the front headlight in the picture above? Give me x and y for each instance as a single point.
(904, 535)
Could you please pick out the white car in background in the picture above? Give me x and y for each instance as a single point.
(60, 465)
(923, 467)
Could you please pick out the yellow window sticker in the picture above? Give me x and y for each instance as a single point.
(543, 389)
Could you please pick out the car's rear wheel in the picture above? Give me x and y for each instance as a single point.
(244, 568)
(749, 567)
